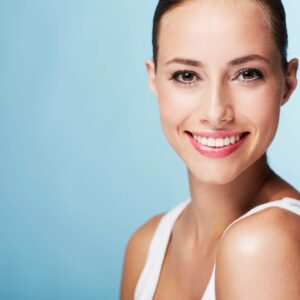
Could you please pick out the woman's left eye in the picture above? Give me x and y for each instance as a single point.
(249, 74)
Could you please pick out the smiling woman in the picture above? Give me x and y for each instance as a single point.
(220, 75)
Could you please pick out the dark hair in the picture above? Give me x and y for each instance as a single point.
(276, 19)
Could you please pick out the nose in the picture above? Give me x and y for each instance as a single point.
(216, 108)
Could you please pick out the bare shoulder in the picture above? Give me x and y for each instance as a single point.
(259, 257)
(135, 256)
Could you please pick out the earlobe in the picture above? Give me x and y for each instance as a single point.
(151, 75)
(290, 80)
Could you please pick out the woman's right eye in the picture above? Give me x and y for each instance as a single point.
(185, 77)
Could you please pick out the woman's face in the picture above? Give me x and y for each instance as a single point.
(218, 71)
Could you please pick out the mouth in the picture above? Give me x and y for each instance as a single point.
(217, 147)
(218, 142)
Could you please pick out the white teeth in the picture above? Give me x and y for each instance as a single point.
(227, 141)
(211, 142)
(218, 142)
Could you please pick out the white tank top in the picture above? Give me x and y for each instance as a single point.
(148, 279)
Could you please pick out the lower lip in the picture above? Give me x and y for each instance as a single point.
(216, 152)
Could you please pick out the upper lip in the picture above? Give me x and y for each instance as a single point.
(216, 134)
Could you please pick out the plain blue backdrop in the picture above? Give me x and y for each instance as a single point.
(83, 160)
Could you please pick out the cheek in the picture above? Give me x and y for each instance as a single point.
(262, 108)
(175, 107)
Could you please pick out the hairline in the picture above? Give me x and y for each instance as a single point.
(264, 9)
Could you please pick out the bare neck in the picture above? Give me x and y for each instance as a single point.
(214, 207)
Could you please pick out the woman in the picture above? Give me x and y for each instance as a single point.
(220, 75)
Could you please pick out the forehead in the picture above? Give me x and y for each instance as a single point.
(215, 30)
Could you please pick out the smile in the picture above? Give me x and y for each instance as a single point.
(217, 147)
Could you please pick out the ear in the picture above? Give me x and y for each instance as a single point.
(151, 75)
(290, 80)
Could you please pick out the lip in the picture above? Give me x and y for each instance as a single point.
(215, 134)
(217, 152)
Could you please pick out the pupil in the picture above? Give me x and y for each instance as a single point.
(247, 73)
(187, 75)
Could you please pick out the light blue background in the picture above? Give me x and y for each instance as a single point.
(82, 156)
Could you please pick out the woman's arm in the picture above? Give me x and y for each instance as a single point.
(135, 257)
(259, 258)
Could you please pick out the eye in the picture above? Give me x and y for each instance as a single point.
(249, 75)
(185, 77)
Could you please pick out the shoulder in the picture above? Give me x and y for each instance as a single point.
(259, 257)
(135, 255)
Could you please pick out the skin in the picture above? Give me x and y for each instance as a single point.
(216, 33)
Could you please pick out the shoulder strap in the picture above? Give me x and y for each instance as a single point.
(286, 203)
(148, 279)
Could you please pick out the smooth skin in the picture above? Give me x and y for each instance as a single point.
(259, 256)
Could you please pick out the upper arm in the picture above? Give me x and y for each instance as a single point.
(259, 258)
(135, 256)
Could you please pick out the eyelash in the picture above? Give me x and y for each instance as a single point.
(259, 76)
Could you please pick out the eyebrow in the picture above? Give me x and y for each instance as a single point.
(234, 62)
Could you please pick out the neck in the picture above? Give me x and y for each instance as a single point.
(214, 207)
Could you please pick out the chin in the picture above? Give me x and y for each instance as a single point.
(217, 178)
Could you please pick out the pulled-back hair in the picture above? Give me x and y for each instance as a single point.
(275, 15)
